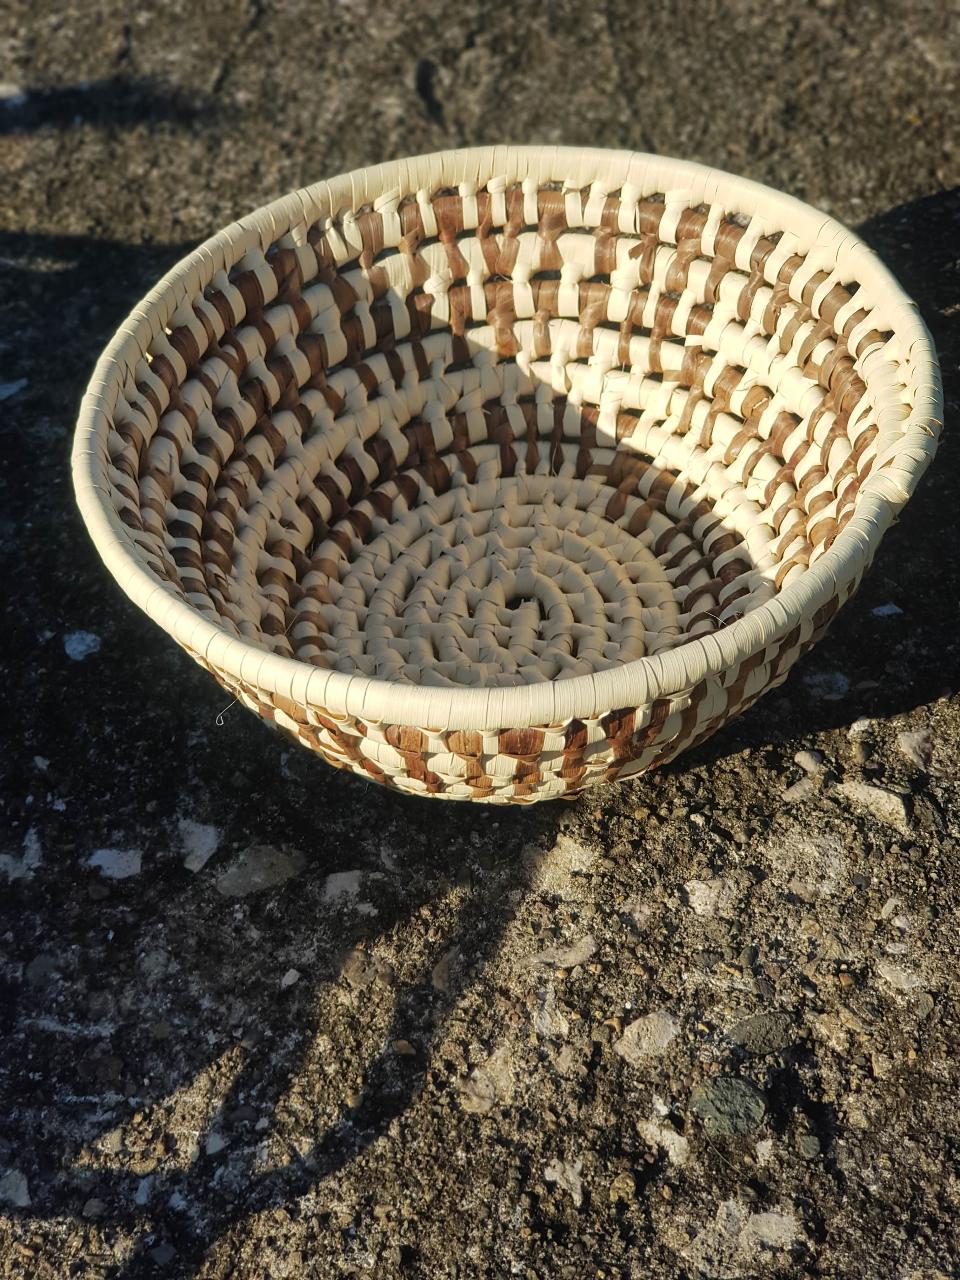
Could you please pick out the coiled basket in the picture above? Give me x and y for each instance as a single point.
(497, 473)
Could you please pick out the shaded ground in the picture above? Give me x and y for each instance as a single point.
(392, 1063)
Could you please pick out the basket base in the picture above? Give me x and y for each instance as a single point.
(514, 580)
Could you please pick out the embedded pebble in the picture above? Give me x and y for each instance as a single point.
(548, 1020)
(648, 1037)
(289, 978)
(658, 1134)
(861, 728)
(23, 866)
(736, 1241)
(808, 1144)
(889, 610)
(359, 968)
(801, 790)
(899, 978)
(81, 644)
(830, 686)
(728, 1106)
(623, 1188)
(259, 867)
(441, 973)
(711, 897)
(762, 1033)
(198, 842)
(488, 1085)
(917, 746)
(556, 869)
(566, 1175)
(14, 1189)
(885, 805)
(809, 761)
(567, 957)
(342, 884)
(772, 1230)
(116, 864)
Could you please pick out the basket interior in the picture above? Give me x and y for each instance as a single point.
(498, 437)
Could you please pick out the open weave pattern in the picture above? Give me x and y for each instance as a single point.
(510, 432)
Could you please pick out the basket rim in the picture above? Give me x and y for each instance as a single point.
(554, 702)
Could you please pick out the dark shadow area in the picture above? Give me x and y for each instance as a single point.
(117, 102)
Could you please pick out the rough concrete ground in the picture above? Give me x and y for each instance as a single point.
(701, 1025)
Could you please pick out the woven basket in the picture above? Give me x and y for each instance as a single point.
(496, 473)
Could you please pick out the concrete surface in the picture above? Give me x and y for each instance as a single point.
(261, 1020)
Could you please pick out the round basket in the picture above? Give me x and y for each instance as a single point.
(496, 473)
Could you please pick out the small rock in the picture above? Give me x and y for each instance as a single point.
(925, 1005)
(809, 761)
(22, 867)
(639, 911)
(14, 1189)
(215, 1143)
(94, 1208)
(567, 957)
(198, 842)
(111, 1142)
(714, 897)
(289, 978)
(623, 1188)
(259, 867)
(808, 1144)
(648, 1037)
(116, 864)
(163, 1254)
(762, 1033)
(734, 1243)
(566, 1175)
(917, 746)
(829, 686)
(728, 1106)
(81, 644)
(805, 789)
(342, 884)
(403, 1048)
(771, 1230)
(488, 1085)
(142, 1194)
(548, 1020)
(555, 870)
(764, 1151)
(898, 978)
(862, 727)
(658, 1134)
(889, 610)
(887, 806)
(359, 968)
(441, 972)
